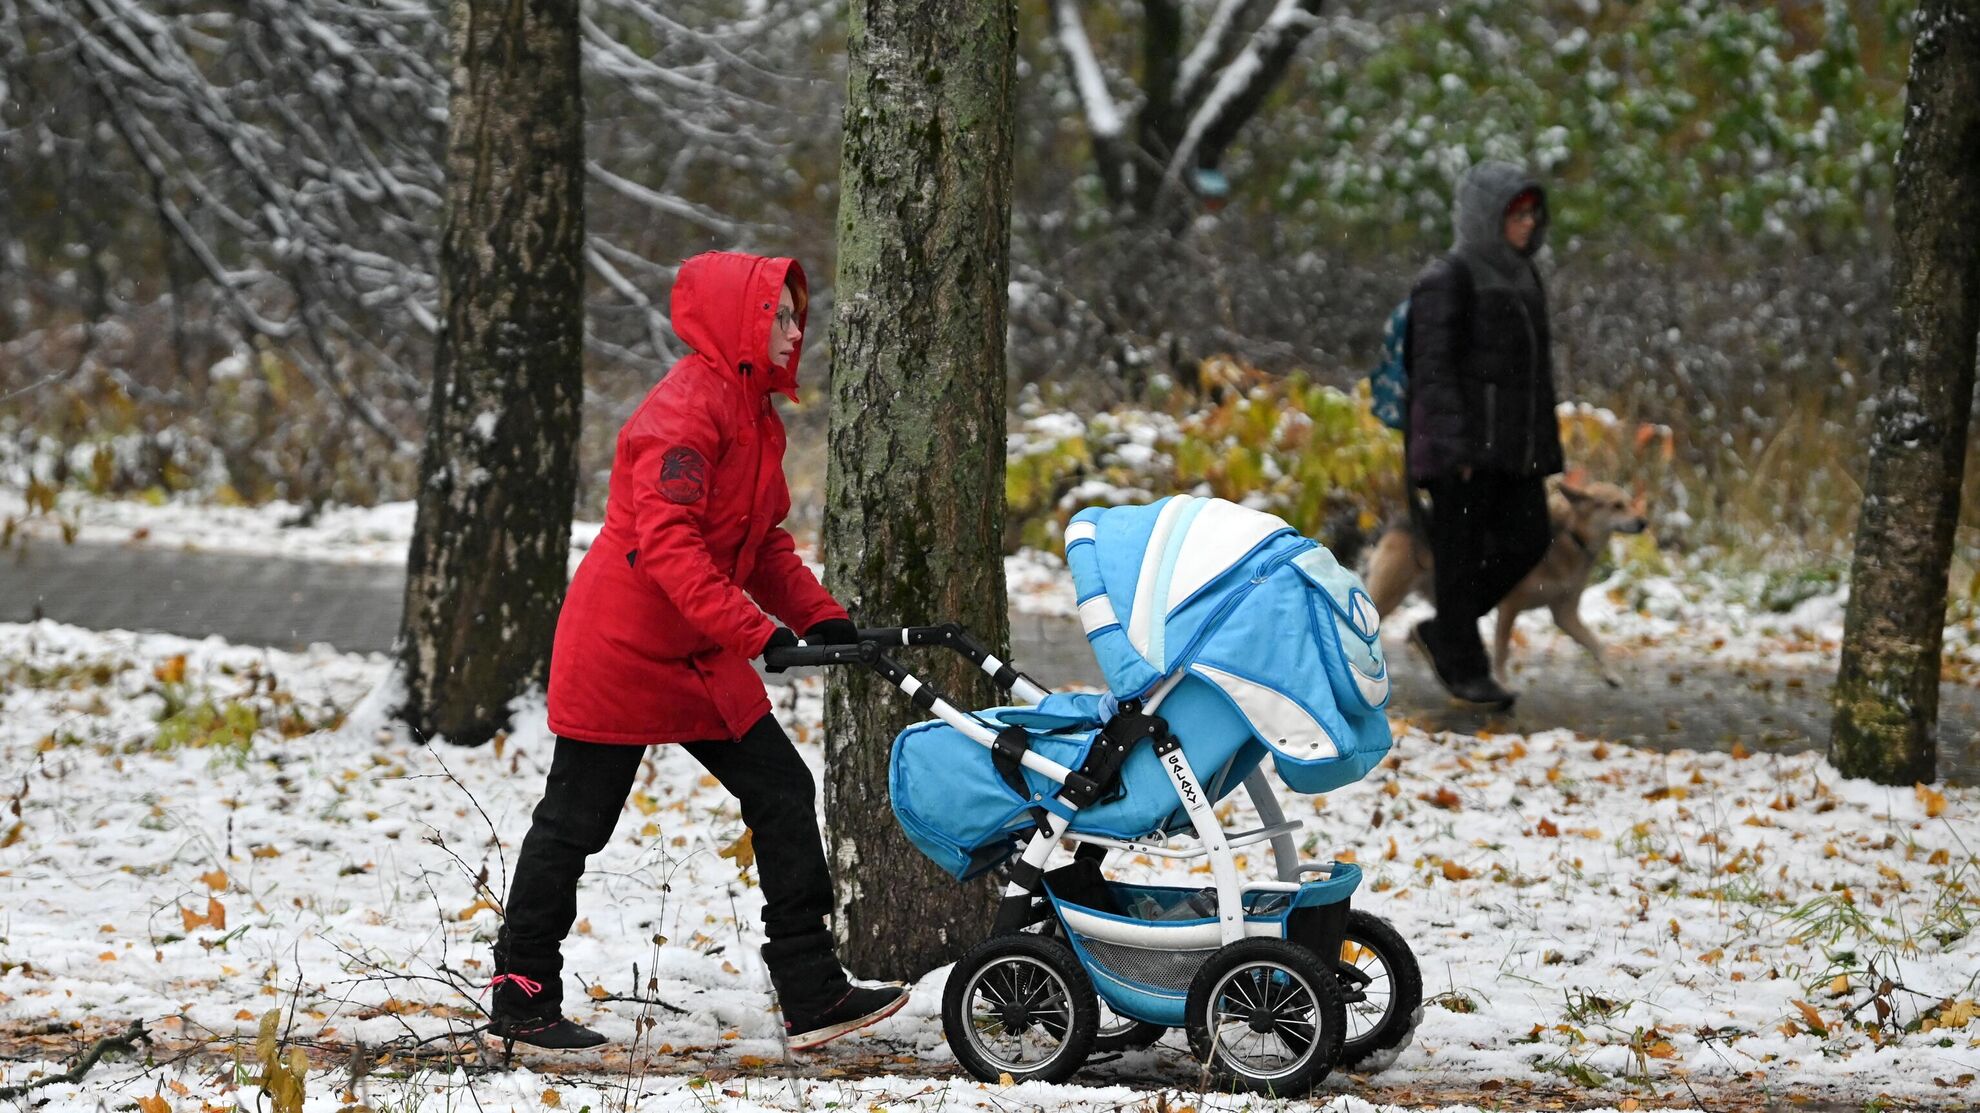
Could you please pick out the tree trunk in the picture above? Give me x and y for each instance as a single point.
(1887, 692)
(914, 519)
(487, 569)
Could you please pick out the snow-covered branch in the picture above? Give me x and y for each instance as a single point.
(1239, 89)
(1212, 47)
(289, 154)
(1189, 106)
(1103, 118)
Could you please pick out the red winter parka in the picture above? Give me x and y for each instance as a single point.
(654, 641)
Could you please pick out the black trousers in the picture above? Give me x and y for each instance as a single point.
(582, 798)
(1486, 534)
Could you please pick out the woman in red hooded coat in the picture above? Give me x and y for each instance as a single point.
(654, 643)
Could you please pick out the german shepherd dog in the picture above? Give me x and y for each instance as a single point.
(1584, 518)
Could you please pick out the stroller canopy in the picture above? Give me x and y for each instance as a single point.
(1272, 647)
(1238, 599)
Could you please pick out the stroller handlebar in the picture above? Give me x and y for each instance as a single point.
(912, 635)
(800, 656)
(873, 640)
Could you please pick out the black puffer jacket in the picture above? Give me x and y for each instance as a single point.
(1481, 373)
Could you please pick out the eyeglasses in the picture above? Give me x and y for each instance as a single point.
(786, 320)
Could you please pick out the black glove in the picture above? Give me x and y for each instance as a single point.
(780, 638)
(833, 631)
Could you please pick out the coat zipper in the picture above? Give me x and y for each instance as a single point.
(1532, 374)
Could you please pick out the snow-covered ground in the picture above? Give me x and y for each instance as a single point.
(346, 534)
(195, 834)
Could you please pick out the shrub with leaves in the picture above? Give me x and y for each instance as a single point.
(1306, 452)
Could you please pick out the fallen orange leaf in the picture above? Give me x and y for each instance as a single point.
(743, 850)
(480, 904)
(1442, 798)
(1935, 802)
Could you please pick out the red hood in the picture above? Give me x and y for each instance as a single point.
(723, 305)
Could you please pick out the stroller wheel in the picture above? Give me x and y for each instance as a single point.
(1124, 1033)
(1020, 1005)
(1266, 1015)
(1383, 989)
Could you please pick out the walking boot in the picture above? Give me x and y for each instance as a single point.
(1470, 685)
(526, 1011)
(819, 1003)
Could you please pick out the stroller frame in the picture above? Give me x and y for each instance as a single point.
(1025, 900)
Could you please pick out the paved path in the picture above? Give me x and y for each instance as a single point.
(290, 603)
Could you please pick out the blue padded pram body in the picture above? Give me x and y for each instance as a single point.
(1258, 643)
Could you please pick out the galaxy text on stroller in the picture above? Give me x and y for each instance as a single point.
(1181, 774)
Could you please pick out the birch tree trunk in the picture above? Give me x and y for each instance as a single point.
(1887, 692)
(487, 569)
(914, 521)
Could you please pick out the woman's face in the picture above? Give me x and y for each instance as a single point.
(1521, 219)
(784, 330)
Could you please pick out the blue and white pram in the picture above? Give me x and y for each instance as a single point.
(1226, 639)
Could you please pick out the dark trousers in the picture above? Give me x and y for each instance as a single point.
(582, 798)
(1486, 534)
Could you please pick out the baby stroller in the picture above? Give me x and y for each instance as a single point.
(1225, 638)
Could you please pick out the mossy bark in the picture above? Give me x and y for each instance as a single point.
(487, 568)
(914, 519)
(1887, 691)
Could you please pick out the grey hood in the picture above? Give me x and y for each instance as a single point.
(1478, 217)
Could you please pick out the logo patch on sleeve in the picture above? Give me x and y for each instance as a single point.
(683, 475)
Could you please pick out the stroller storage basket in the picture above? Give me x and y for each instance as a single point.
(1141, 944)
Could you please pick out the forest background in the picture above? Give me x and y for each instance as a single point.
(218, 240)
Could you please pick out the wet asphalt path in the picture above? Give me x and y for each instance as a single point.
(289, 604)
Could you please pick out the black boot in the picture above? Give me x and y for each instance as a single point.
(530, 1009)
(1463, 677)
(818, 1003)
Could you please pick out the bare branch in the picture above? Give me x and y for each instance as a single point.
(127, 1040)
(1239, 90)
(1104, 122)
(1213, 49)
(699, 215)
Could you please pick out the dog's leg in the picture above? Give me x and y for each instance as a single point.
(1567, 616)
(1393, 570)
(1505, 616)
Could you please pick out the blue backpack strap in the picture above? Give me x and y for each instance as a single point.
(1388, 384)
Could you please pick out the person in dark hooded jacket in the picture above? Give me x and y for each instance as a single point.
(653, 647)
(1483, 436)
